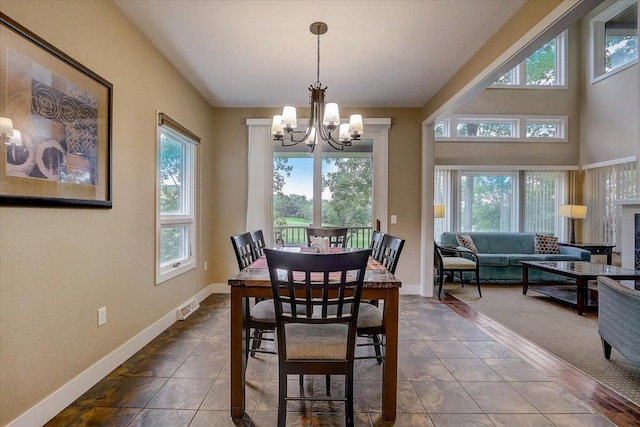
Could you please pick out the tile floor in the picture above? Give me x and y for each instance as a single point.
(451, 373)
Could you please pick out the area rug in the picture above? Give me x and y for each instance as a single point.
(556, 328)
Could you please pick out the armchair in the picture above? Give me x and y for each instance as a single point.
(452, 260)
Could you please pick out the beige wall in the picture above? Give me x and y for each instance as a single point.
(609, 108)
(230, 191)
(59, 265)
(505, 101)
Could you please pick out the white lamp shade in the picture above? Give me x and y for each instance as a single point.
(344, 134)
(311, 140)
(355, 124)
(331, 115)
(277, 128)
(16, 139)
(289, 118)
(6, 126)
(438, 211)
(573, 211)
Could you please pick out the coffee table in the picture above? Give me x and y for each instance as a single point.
(580, 271)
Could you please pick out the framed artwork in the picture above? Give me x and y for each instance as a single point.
(55, 125)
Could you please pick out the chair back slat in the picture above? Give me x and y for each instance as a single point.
(376, 243)
(259, 244)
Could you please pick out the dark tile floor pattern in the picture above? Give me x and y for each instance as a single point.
(451, 373)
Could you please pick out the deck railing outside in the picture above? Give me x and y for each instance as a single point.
(296, 235)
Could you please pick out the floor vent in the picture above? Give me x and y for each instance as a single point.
(187, 309)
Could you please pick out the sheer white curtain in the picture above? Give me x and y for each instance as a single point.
(603, 185)
(544, 191)
(260, 181)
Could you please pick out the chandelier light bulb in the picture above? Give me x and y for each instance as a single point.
(356, 128)
(344, 135)
(6, 126)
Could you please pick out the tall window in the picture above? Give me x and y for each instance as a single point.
(176, 199)
(544, 67)
(603, 186)
(325, 188)
(517, 200)
(614, 39)
(487, 201)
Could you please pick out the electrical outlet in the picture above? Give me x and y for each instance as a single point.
(102, 316)
(205, 266)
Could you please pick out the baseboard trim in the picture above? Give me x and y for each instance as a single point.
(53, 404)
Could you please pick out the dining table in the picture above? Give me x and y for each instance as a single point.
(253, 281)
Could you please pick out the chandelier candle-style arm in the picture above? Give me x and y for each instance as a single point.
(325, 117)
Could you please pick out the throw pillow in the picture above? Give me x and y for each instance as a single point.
(466, 241)
(545, 244)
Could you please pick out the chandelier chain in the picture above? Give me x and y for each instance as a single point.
(318, 84)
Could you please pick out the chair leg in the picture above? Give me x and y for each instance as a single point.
(606, 348)
(256, 339)
(478, 282)
(377, 346)
(282, 399)
(348, 393)
(441, 278)
(327, 384)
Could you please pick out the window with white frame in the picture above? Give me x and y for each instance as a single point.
(502, 128)
(176, 224)
(543, 68)
(525, 200)
(614, 39)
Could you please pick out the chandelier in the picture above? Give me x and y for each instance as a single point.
(325, 117)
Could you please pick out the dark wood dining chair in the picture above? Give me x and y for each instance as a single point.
(321, 341)
(337, 235)
(449, 260)
(261, 318)
(370, 324)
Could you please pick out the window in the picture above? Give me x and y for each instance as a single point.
(614, 39)
(176, 232)
(543, 68)
(502, 128)
(512, 200)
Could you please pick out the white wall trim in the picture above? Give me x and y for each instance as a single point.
(506, 168)
(610, 162)
(53, 404)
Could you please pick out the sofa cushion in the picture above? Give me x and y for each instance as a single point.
(515, 259)
(466, 241)
(546, 244)
(493, 260)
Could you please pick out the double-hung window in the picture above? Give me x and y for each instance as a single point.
(176, 224)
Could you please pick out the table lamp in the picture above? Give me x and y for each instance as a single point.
(438, 211)
(572, 212)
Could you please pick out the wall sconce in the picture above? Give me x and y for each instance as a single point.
(573, 212)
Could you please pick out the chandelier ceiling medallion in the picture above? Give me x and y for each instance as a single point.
(324, 119)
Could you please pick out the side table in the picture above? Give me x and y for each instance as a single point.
(594, 248)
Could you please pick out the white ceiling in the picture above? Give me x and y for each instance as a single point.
(262, 54)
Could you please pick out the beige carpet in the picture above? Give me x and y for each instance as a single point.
(557, 328)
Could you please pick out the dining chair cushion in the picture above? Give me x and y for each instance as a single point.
(457, 263)
(308, 341)
(369, 316)
(265, 311)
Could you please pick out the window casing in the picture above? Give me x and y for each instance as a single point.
(614, 39)
(524, 200)
(176, 191)
(545, 68)
(505, 128)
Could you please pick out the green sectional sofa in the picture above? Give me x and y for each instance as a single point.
(500, 253)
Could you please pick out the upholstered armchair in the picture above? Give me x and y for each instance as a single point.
(619, 318)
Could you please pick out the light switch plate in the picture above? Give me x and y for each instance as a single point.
(394, 219)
